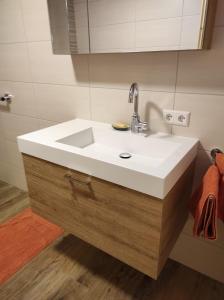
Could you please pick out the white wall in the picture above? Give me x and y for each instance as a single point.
(50, 89)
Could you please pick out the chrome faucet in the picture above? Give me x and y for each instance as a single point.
(136, 124)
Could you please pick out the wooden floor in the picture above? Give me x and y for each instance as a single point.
(72, 269)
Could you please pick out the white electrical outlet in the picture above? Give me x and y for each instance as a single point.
(168, 116)
(176, 117)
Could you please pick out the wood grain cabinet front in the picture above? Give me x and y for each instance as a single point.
(137, 229)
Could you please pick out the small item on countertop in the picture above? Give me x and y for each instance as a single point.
(121, 126)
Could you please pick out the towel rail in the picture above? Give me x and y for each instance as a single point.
(214, 152)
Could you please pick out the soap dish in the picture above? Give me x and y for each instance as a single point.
(121, 126)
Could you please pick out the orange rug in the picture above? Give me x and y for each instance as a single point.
(21, 238)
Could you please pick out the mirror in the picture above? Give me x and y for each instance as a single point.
(69, 26)
(105, 26)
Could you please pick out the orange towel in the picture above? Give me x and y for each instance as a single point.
(220, 165)
(21, 238)
(204, 205)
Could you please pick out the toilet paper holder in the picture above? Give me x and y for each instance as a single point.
(6, 98)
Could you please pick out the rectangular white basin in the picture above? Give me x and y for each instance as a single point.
(157, 161)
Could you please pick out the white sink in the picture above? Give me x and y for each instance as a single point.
(157, 161)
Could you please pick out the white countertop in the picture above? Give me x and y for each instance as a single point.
(157, 162)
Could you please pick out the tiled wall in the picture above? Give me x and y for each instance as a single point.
(51, 89)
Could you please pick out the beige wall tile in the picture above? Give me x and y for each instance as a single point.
(13, 175)
(36, 20)
(110, 105)
(13, 155)
(203, 71)
(206, 118)
(200, 256)
(10, 154)
(220, 14)
(14, 125)
(203, 161)
(3, 150)
(163, 32)
(10, 157)
(14, 62)
(103, 12)
(191, 26)
(2, 135)
(61, 103)
(23, 102)
(11, 22)
(45, 123)
(151, 105)
(192, 7)
(153, 71)
(158, 9)
(113, 38)
(61, 69)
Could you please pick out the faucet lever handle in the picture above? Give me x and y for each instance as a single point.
(144, 126)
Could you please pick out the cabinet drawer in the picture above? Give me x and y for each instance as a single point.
(122, 222)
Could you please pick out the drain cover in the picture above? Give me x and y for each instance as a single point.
(125, 155)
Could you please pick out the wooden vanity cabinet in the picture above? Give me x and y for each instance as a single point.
(135, 228)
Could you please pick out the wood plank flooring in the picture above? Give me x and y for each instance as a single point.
(12, 201)
(71, 269)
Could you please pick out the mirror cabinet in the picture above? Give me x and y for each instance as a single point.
(105, 26)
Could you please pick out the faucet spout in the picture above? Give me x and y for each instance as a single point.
(133, 96)
(136, 125)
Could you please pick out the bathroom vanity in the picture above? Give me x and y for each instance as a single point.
(133, 209)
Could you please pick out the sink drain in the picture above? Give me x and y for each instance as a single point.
(125, 155)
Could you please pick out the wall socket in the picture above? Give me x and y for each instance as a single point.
(176, 117)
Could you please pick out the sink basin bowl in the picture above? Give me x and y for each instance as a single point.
(156, 161)
(104, 143)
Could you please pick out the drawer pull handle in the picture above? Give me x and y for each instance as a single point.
(73, 180)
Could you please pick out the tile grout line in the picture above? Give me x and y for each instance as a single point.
(29, 62)
(175, 87)
(89, 87)
(114, 88)
(178, 59)
(176, 82)
(49, 40)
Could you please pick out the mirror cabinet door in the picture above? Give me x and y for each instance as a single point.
(105, 26)
(69, 26)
